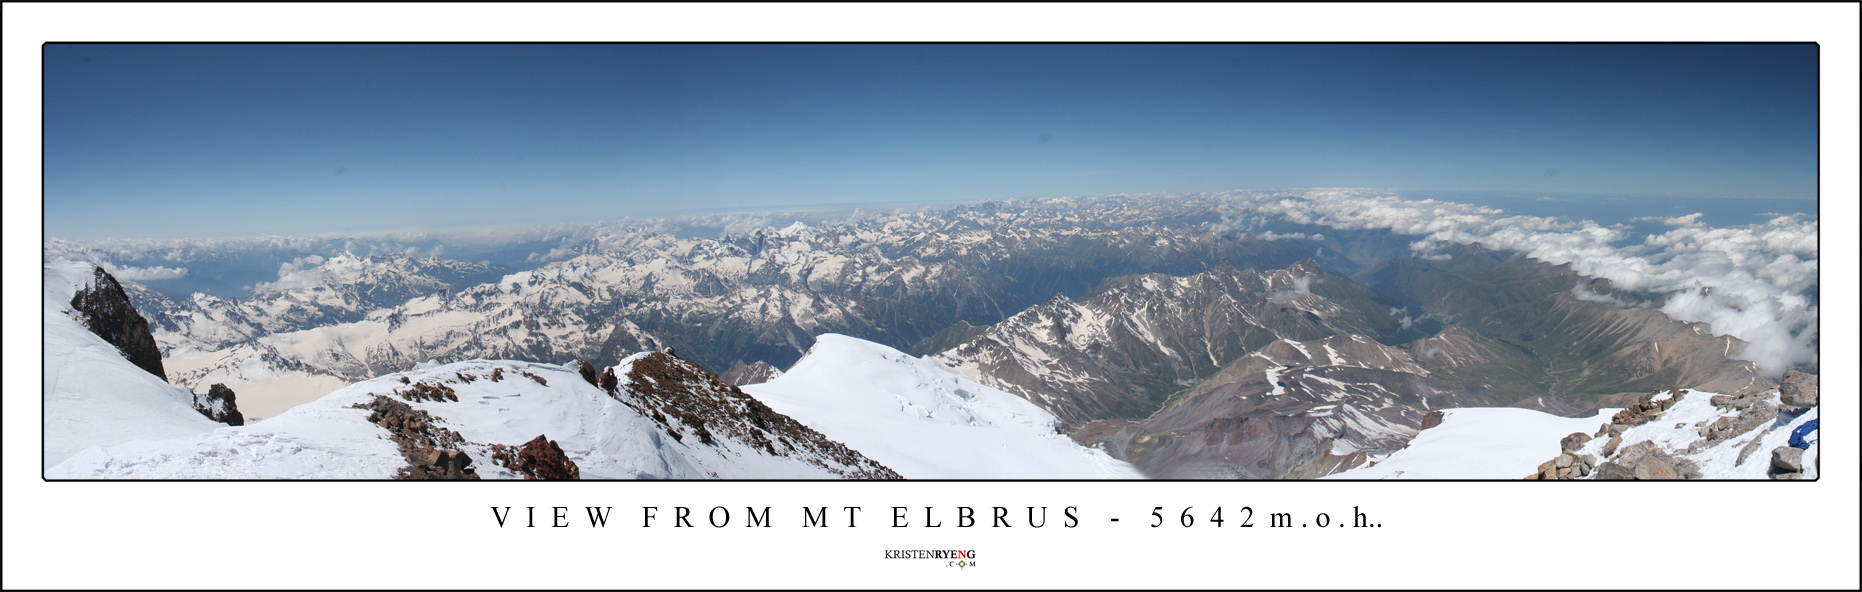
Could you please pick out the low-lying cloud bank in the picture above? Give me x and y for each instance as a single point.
(301, 273)
(143, 274)
(1748, 281)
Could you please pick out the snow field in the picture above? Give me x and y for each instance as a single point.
(1480, 443)
(924, 422)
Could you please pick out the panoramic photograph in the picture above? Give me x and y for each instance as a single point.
(947, 261)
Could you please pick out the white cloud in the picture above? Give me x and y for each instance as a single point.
(1301, 285)
(1583, 292)
(1406, 321)
(139, 274)
(1688, 220)
(554, 254)
(300, 274)
(1747, 281)
(1274, 236)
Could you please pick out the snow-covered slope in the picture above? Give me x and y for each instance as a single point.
(1678, 432)
(1511, 443)
(925, 422)
(93, 396)
(1479, 443)
(498, 402)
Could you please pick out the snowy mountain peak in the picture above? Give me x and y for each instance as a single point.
(924, 421)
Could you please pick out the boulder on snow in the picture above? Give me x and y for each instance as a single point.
(1574, 441)
(539, 459)
(1798, 389)
(1613, 471)
(1655, 469)
(1647, 461)
(1786, 459)
(218, 405)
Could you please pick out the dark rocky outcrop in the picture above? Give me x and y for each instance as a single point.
(608, 381)
(218, 405)
(588, 373)
(423, 391)
(539, 459)
(1646, 409)
(687, 400)
(105, 309)
(1434, 418)
(432, 452)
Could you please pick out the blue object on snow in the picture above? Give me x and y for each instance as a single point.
(1797, 435)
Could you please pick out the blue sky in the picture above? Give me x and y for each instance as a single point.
(166, 141)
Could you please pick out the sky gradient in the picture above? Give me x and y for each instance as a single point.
(171, 141)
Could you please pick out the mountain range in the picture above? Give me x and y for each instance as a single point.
(1102, 338)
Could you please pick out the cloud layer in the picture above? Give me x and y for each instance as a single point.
(300, 273)
(143, 274)
(1748, 282)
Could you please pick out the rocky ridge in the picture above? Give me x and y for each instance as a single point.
(1121, 352)
(686, 400)
(105, 309)
(1294, 410)
(1683, 434)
